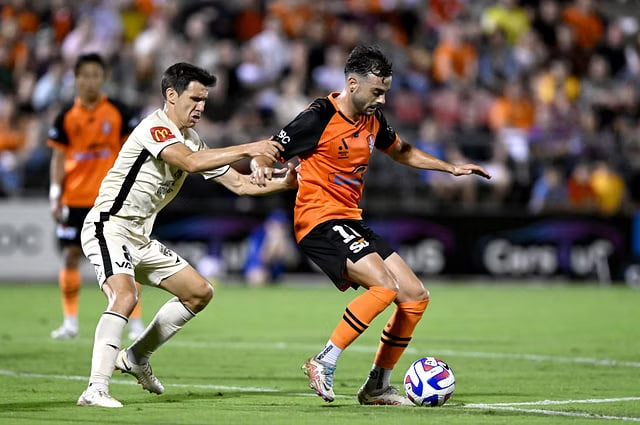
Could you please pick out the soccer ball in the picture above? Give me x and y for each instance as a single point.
(429, 382)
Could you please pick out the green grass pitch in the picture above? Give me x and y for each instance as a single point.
(521, 354)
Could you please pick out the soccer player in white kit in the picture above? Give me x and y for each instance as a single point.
(147, 175)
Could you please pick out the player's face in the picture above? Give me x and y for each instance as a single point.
(370, 93)
(89, 80)
(190, 104)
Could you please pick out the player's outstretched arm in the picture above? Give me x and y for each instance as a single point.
(407, 154)
(240, 184)
(181, 156)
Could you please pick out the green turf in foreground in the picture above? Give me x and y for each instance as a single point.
(239, 361)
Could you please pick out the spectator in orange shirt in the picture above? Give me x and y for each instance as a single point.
(586, 24)
(14, 54)
(514, 109)
(453, 58)
(28, 22)
(294, 16)
(511, 116)
(581, 194)
(12, 139)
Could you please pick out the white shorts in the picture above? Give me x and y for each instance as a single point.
(115, 245)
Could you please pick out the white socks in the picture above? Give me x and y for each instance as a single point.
(70, 322)
(379, 379)
(329, 354)
(169, 320)
(106, 346)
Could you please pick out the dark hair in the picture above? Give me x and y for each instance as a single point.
(364, 60)
(89, 58)
(179, 75)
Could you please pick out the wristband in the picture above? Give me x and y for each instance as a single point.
(55, 190)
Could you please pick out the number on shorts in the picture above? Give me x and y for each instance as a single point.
(348, 236)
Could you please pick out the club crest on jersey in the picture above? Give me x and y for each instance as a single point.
(372, 141)
(106, 127)
(161, 134)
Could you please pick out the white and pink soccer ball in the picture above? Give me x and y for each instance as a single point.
(429, 382)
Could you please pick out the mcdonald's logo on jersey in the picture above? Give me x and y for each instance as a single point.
(161, 134)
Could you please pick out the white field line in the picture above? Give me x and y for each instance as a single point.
(356, 348)
(560, 402)
(551, 412)
(413, 350)
(498, 406)
(130, 382)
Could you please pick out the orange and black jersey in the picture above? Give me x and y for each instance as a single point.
(334, 155)
(91, 139)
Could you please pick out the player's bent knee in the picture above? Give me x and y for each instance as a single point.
(389, 281)
(423, 294)
(202, 295)
(413, 293)
(124, 302)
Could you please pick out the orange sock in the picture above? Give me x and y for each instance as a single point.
(69, 281)
(397, 333)
(137, 310)
(359, 313)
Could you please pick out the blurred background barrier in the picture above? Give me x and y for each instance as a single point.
(27, 241)
(578, 247)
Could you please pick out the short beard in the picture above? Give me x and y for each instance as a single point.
(360, 107)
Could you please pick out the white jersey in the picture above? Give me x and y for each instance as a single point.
(140, 184)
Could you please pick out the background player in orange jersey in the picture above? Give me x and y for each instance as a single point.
(86, 138)
(334, 139)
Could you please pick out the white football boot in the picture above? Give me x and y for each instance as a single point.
(97, 398)
(389, 397)
(320, 378)
(64, 332)
(142, 372)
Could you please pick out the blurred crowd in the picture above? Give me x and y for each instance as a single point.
(543, 93)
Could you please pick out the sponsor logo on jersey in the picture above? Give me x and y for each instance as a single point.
(124, 265)
(283, 137)
(65, 232)
(90, 156)
(128, 260)
(165, 251)
(165, 187)
(341, 180)
(161, 134)
(343, 149)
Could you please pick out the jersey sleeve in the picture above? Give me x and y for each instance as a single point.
(57, 136)
(386, 137)
(303, 133)
(212, 174)
(156, 138)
